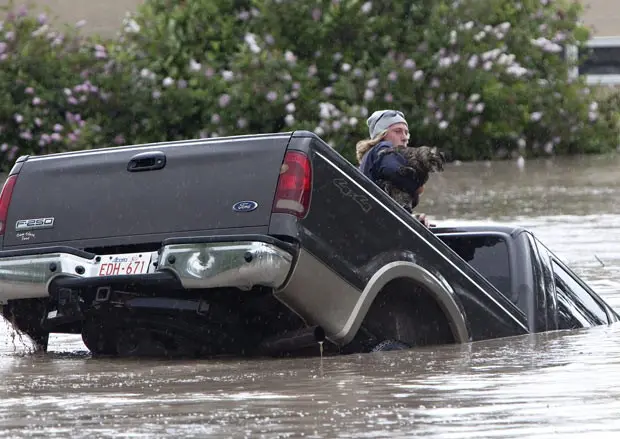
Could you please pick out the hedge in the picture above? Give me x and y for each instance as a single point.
(481, 79)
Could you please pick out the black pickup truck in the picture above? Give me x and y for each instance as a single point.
(258, 245)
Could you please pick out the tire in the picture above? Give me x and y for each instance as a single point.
(100, 339)
(390, 345)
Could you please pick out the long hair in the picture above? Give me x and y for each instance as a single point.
(363, 146)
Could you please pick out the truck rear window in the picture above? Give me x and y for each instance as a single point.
(487, 254)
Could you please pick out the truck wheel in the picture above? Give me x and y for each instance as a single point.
(390, 345)
(98, 337)
(26, 316)
(139, 342)
(405, 312)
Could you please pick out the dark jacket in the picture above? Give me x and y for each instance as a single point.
(386, 167)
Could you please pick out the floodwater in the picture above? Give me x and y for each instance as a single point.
(564, 384)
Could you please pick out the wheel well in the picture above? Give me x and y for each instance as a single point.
(406, 310)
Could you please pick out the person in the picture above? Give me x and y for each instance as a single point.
(388, 128)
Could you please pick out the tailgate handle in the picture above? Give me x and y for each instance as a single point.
(147, 161)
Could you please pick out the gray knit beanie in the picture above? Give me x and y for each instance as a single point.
(383, 119)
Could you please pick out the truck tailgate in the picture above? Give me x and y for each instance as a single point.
(92, 194)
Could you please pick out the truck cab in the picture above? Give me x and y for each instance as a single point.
(550, 295)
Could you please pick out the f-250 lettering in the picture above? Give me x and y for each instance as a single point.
(34, 223)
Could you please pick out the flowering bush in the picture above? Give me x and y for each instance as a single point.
(44, 86)
(169, 71)
(478, 79)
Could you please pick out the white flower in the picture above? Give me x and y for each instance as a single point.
(474, 98)
(319, 131)
(536, 116)
(194, 65)
(227, 75)
(290, 107)
(40, 30)
(419, 74)
(546, 45)
(372, 83)
(452, 37)
(250, 40)
(504, 26)
(369, 94)
(505, 59)
(366, 7)
(516, 70)
(289, 119)
(443, 125)
(146, 73)
(271, 96)
(290, 57)
(131, 26)
(346, 67)
(324, 110)
(353, 121)
(491, 54)
(445, 62)
(167, 82)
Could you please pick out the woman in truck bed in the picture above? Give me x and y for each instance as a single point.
(388, 129)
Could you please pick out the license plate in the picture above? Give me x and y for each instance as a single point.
(124, 264)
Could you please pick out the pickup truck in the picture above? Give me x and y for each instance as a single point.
(258, 245)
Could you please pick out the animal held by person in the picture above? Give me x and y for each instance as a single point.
(421, 162)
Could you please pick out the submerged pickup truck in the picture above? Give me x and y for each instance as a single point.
(258, 245)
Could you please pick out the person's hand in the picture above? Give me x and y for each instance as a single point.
(422, 218)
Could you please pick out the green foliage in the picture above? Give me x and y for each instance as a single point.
(44, 86)
(478, 78)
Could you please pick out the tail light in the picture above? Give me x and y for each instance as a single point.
(5, 200)
(294, 185)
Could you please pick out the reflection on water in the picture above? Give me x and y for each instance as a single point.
(565, 383)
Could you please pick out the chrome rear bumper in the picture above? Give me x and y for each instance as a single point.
(242, 264)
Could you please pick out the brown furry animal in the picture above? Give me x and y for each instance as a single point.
(421, 161)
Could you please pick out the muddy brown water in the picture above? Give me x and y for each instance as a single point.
(564, 384)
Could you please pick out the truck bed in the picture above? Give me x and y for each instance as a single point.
(101, 197)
